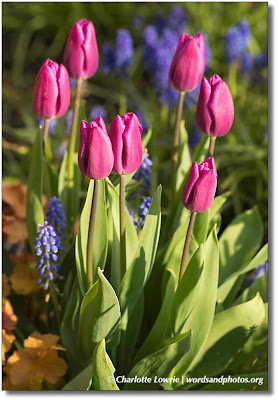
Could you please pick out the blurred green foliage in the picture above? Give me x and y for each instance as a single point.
(35, 31)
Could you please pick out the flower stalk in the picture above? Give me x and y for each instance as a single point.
(187, 244)
(122, 227)
(72, 146)
(55, 302)
(211, 145)
(175, 150)
(90, 244)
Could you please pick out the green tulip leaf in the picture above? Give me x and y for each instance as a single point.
(99, 317)
(34, 210)
(103, 369)
(159, 364)
(82, 381)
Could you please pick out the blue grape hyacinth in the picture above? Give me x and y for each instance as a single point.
(48, 246)
(259, 271)
(143, 209)
(55, 216)
(143, 173)
(97, 111)
(119, 57)
(236, 41)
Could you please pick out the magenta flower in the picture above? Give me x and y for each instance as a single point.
(199, 189)
(95, 156)
(51, 95)
(81, 52)
(125, 134)
(188, 64)
(215, 109)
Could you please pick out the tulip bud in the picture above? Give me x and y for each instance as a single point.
(81, 52)
(188, 64)
(199, 189)
(215, 109)
(95, 156)
(51, 95)
(125, 134)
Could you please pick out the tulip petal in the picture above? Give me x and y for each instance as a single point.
(115, 133)
(189, 185)
(203, 116)
(101, 159)
(221, 107)
(83, 149)
(204, 192)
(63, 100)
(90, 48)
(132, 145)
(74, 53)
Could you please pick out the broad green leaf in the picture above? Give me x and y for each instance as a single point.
(239, 242)
(99, 317)
(160, 363)
(159, 330)
(260, 285)
(103, 369)
(34, 210)
(140, 269)
(50, 179)
(133, 329)
(184, 156)
(82, 381)
(201, 317)
(226, 286)
(187, 292)
(63, 175)
(256, 381)
(146, 138)
(82, 239)
(131, 235)
(200, 228)
(201, 152)
(218, 202)
(69, 327)
(230, 330)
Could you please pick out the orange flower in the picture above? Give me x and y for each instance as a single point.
(38, 362)
(9, 320)
(5, 286)
(24, 279)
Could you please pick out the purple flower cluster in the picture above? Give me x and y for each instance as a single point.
(48, 246)
(119, 57)
(259, 271)
(55, 216)
(97, 111)
(143, 173)
(236, 41)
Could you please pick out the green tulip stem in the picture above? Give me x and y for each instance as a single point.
(71, 148)
(55, 302)
(45, 131)
(211, 145)
(175, 150)
(122, 227)
(186, 244)
(90, 243)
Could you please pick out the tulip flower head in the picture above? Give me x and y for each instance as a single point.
(95, 156)
(188, 63)
(215, 109)
(199, 189)
(81, 52)
(125, 134)
(51, 95)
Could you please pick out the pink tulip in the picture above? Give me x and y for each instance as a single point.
(125, 134)
(95, 156)
(51, 95)
(199, 189)
(188, 64)
(215, 110)
(81, 52)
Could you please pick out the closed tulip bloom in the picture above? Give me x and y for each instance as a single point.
(95, 156)
(81, 52)
(199, 189)
(215, 109)
(188, 64)
(51, 95)
(125, 134)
